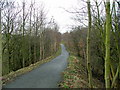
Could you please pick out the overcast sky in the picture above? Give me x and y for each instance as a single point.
(62, 17)
(54, 8)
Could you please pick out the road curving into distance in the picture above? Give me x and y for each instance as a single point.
(47, 75)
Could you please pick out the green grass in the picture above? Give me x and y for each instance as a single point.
(9, 77)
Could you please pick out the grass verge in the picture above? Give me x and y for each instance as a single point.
(75, 76)
(11, 76)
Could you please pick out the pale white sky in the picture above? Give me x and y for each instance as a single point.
(62, 17)
(55, 9)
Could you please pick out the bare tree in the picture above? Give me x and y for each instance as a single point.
(0, 48)
(88, 45)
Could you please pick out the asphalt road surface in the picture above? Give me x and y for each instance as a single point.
(47, 75)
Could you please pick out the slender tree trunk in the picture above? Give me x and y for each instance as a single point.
(0, 52)
(107, 45)
(88, 45)
(35, 52)
(40, 47)
(34, 36)
(116, 75)
(43, 56)
(8, 43)
(30, 36)
(119, 41)
(23, 47)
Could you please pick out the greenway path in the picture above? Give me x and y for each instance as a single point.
(47, 75)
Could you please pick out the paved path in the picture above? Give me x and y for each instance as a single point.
(47, 75)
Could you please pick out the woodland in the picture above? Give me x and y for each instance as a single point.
(27, 36)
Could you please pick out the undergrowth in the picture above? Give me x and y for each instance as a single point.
(75, 76)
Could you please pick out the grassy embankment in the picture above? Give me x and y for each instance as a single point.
(75, 76)
(9, 77)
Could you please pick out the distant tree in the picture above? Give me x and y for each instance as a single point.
(26, 37)
(30, 32)
(23, 33)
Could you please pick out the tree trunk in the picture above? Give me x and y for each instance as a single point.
(0, 52)
(107, 45)
(43, 56)
(23, 47)
(30, 36)
(40, 47)
(35, 36)
(88, 45)
(8, 42)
